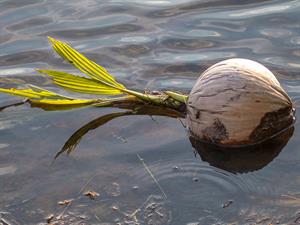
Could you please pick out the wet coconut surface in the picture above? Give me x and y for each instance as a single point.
(152, 45)
(238, 102)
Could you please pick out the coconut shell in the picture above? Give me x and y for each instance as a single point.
(238, 102)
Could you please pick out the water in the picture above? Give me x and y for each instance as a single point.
(146, 45)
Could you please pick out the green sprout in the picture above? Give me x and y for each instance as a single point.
(98, 82)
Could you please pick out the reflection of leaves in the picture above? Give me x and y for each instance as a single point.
(74, 140)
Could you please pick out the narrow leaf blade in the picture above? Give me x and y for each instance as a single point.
(80, 84)
(87, 66)
(61, 104)
(30, 93)
(48, 100)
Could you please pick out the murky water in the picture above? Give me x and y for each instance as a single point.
(151, 44)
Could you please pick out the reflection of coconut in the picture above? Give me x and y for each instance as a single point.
(238, 102)
(244, 159)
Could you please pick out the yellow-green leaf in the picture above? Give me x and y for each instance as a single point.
(34, 93)
(177, 96)
(80, 84)
(46, 101)
(87, 66)
(61, 104)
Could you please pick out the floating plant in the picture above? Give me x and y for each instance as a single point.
(234, 103)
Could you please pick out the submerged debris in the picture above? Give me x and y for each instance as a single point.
(49, 218)
(65, 202)
(91, 194)
(227, 204)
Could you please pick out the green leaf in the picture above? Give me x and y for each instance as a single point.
(87, 66)
(100, 82)
(96, 72)
(61, 104)
(177, 96)
(45, 99)
(32, 93)
(47, 93)
(80, 84)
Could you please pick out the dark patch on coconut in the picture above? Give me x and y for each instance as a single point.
(197, 114)
(272, 123)
(216, 133)
(235, 98)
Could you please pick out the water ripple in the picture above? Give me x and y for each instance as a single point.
(192, 172)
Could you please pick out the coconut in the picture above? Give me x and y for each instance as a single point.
(238, 102)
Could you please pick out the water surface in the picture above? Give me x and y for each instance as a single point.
(147, 45)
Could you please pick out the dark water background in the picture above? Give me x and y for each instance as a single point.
(146, 45)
